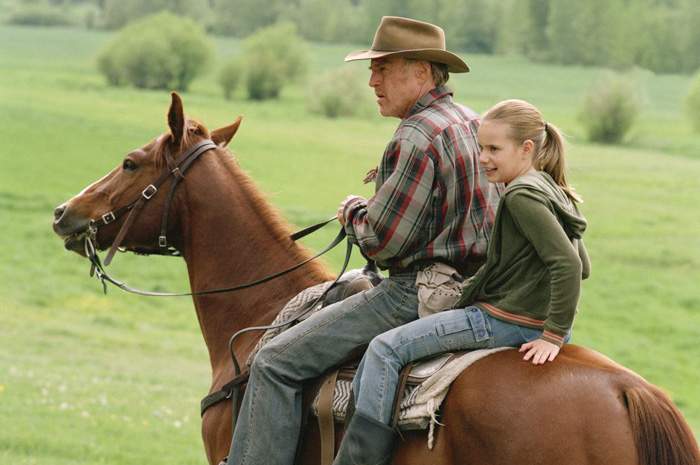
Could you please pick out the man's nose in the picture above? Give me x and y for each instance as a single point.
(373, 79)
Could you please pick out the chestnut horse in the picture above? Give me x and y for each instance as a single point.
(582, 409)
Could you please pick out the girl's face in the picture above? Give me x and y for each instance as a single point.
(503, 159)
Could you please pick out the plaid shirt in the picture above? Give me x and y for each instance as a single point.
(432, 201)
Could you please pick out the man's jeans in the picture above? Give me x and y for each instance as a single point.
(463, 329)
(268, 425)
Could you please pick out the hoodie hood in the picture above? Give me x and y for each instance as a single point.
(540, 186)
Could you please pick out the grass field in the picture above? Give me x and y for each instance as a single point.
(116, 379)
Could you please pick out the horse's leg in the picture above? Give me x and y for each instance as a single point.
(216, 431)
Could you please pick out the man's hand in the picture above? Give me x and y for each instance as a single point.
(341, 208)
(540, 351)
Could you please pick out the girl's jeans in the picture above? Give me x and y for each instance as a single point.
(462, 329)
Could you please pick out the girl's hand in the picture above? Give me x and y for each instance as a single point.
(540, 351)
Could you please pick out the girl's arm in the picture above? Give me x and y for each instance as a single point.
(585, 261)
(542, 229)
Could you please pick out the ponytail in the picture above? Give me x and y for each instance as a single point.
(550, 159)
(525, 123)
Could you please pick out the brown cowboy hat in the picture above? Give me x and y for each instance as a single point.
(413, 39)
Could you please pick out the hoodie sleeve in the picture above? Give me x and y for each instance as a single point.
(585, 261)
(543, 230)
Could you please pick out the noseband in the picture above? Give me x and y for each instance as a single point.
(175, 169)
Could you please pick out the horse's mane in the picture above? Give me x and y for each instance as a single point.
(273, 221)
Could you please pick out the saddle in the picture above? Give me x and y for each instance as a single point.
(422, 385)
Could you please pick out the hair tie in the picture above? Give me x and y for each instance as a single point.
(546, 127)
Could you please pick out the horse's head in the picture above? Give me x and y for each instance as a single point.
(105, 202)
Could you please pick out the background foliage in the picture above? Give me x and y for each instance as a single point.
(92, 379)
(610, 108)
(161, 51)
(659, 35)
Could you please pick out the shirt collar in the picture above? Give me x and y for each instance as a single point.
(426, 100)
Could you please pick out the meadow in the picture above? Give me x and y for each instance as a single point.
(92, 379)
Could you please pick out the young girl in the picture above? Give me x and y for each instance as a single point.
(525, 295)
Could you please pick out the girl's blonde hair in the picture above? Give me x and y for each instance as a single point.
(525, 122)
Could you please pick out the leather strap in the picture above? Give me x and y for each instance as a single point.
(403, 379)
(326, 426)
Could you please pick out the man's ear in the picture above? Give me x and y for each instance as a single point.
(423, 71)
(223, 136)
(176, 118)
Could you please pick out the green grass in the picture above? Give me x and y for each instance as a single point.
(89, 379)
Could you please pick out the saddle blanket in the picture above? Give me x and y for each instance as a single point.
(421, 401)
(429, 380)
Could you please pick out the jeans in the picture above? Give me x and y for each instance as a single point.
(270, 418)
(377, 376)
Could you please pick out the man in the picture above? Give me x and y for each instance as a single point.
(432, 203)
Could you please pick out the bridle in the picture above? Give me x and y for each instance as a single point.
(176, 169)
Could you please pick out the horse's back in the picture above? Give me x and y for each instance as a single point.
(504, 410)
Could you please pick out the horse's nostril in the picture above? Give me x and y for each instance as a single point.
(58, 212)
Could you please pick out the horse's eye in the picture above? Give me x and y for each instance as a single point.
(129, 165)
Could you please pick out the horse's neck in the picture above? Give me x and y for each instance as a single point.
(232, 236)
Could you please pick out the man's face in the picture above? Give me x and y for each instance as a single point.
(396, 84)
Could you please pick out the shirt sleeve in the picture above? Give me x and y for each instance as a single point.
(390, 223)
(585, 261)
(543, 230)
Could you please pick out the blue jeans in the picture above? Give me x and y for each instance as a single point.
(463, 329)
(270, 417)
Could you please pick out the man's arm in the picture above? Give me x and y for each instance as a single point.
(388, 224)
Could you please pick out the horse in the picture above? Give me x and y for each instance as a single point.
(582, 409)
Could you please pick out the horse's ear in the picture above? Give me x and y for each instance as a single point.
(223, 136)
(176, 118)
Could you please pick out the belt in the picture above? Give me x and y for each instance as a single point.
(467, 269)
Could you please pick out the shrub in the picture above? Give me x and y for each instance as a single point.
(118, 13)
(40, 15)
(339, 92)
(229, 76)
(609, 110)
(272, 57)
(692, 103)
(162, 51)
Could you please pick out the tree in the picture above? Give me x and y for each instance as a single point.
(241, 18)
(272, 57)
(610, 109)
(117, 13)
(692, 103)
(162, 51)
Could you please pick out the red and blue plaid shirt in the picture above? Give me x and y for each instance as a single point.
(432, 200)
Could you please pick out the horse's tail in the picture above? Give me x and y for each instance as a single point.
(661, 434)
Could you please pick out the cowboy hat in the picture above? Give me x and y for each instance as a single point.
(413, 39)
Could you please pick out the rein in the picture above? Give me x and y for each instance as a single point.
(232, 389)
(97, 268)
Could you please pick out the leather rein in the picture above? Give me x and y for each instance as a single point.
(232, 389)
(177, 170)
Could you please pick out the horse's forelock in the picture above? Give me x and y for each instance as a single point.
(163, 144)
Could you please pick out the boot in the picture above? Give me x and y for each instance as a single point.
(366, 442)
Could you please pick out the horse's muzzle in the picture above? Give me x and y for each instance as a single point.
(71, 228)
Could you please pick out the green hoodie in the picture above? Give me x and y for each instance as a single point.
(535, 259)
